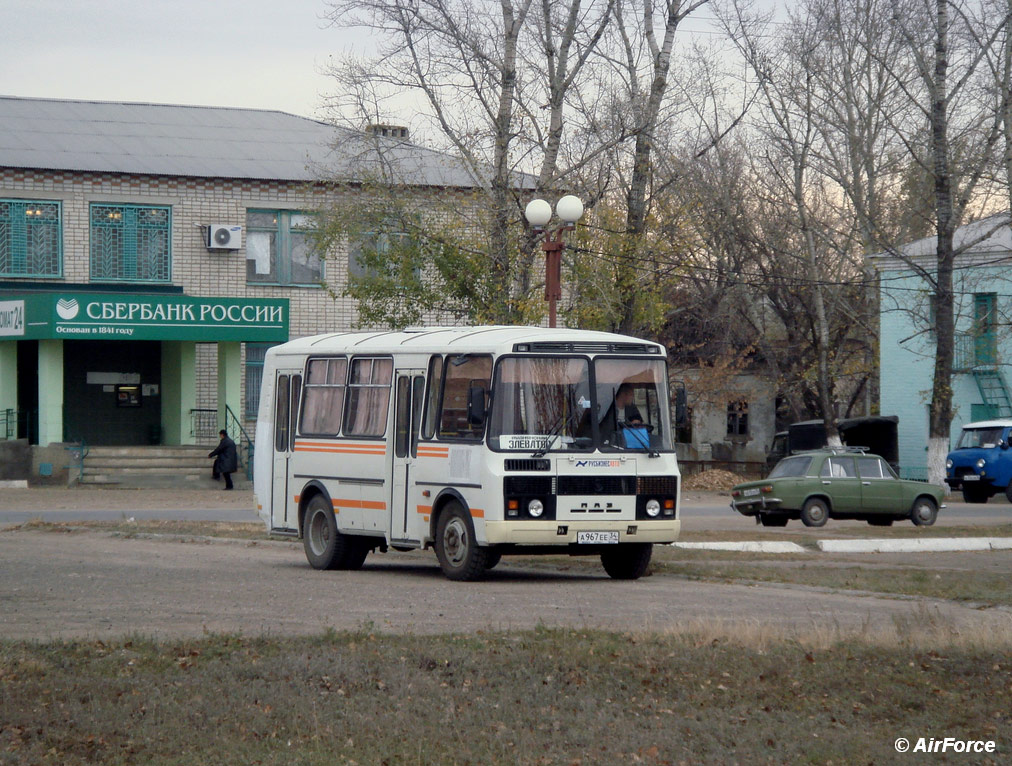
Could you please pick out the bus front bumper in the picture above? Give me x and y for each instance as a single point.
(567, 532)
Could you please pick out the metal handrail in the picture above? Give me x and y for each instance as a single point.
(78, 452)
(8, 424)
(233, 424)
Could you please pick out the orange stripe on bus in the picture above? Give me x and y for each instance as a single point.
(338, 442)
(478, 513)
(424, 508)
(369, 505)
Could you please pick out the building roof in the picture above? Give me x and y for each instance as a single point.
(209, 142)
(984, 241)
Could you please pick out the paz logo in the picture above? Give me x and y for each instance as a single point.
(67, 309)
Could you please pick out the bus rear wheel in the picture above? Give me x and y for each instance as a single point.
(627, 561)
(326, 548)
(460, 557)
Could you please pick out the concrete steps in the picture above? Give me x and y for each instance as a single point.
(153, 467)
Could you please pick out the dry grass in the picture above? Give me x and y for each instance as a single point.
(128, 527)
(703, 694)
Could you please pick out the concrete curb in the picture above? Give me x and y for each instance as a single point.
(910, 545)
(931, 544)
(751, 546)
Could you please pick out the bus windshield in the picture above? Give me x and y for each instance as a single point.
(542, 404)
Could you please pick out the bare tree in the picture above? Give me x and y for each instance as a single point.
(788, 124)
(495, 84)
(939, 71)
(643, 27)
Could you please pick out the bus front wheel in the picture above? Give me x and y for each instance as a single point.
(460, 557)
(326, 548)
(627, 561)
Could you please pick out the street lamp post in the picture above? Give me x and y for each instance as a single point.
(538, 213)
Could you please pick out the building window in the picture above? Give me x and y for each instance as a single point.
(279, 250)
(373, 251)
(130, 243)
(985, 324)
(737, 418)
(255, 353)
(30, 239)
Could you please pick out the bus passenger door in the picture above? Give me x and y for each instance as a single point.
(409, 386)
(287, 390)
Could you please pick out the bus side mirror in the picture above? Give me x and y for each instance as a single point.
(476, 405)
(1003, 444)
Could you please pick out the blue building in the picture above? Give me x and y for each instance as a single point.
(982, 284)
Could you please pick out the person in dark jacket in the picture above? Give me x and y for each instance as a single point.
(226, 459)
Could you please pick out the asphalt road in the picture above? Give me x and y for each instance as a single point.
(94, 585)
(700, 511)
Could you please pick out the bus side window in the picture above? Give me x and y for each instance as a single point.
(432, 400)
(296, 396)
(281, 411)
(368, 400)
(417, 390)
(462, 373)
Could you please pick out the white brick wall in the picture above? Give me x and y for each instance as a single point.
(197, 202)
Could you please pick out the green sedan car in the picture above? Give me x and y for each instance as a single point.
(838, 484)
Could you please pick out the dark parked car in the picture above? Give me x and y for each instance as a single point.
(839, 484)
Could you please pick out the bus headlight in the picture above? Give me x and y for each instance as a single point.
(535, 508)
(948, 464)
(981, 463)
(653, 508)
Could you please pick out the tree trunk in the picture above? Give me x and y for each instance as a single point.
(940, 411)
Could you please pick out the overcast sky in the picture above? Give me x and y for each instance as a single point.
(255, 53)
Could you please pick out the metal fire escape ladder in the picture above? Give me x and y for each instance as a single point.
(994, 392)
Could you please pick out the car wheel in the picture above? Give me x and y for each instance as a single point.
(924, 512)
(325, 547)
(974, 494)
(460, 557)
(627, 561)
(815, 512)
(774, 519)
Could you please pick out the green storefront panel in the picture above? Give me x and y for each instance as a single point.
(112, 316)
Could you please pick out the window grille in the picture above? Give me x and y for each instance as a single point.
(130, 243)
(30, 238)
(255, 354)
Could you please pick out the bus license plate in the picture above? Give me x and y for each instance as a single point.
(596, 538)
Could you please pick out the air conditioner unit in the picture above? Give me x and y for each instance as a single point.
(221, 236)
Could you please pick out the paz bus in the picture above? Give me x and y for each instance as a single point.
(477, 442)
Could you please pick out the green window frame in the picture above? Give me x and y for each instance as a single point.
(31, 238)
(131, 243)
(373, 244)
(279, 249)
(255, 354)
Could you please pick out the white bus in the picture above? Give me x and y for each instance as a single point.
(474, 441)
